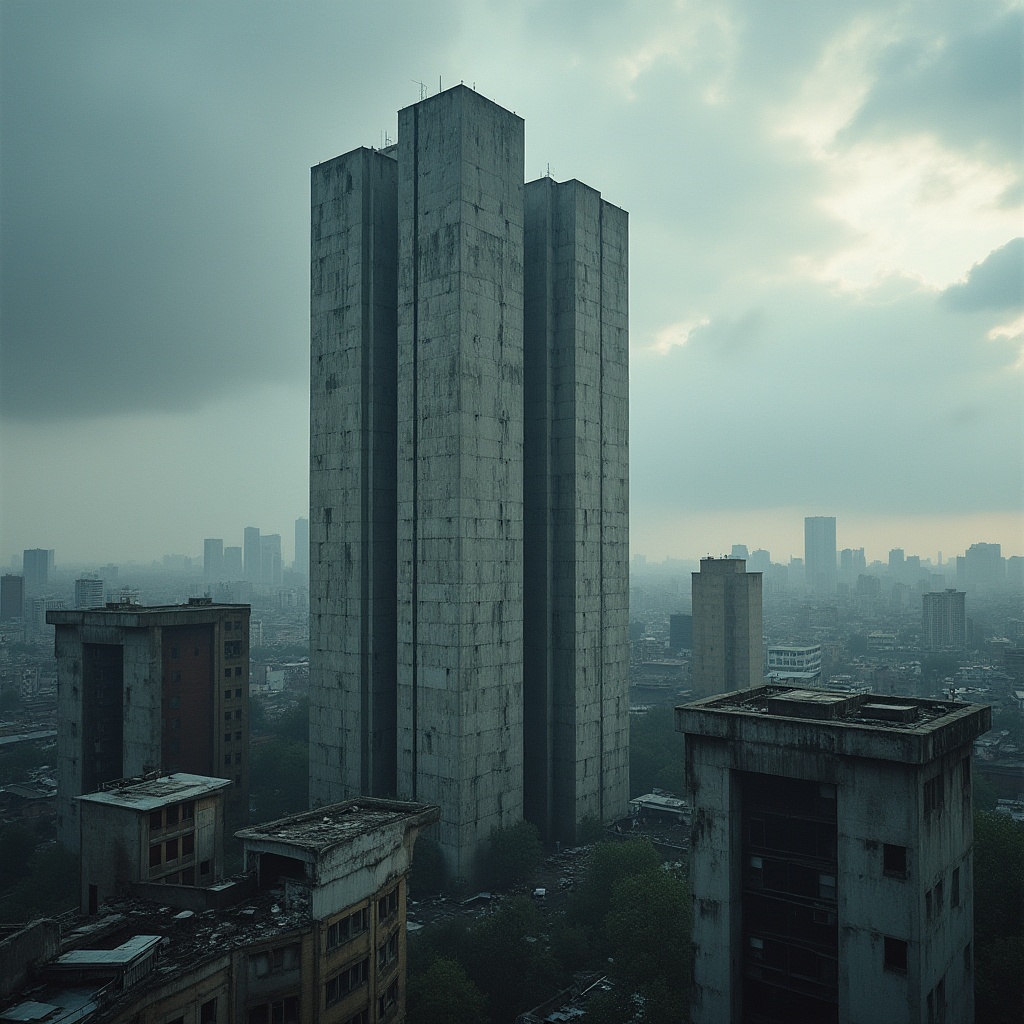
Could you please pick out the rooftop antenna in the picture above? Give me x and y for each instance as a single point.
(423, 88)
(438, 83)
(548, 174)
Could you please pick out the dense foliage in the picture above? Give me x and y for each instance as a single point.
(998, 918)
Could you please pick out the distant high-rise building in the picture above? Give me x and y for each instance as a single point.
(213, 558)
(728, 651)
(12, 597)
(151, 688)
(739, 551)
(832, 866)
(270, 551)
(233, 563)
(760, 560)
(945, 620)
(253, 554)
(820, 553)
(897, 560)
(301, 563)
(419, 537)
(983, 565)
(89, 592)
(37, 568)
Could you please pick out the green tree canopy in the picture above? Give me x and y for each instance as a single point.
(515, 852)
(648, 926)
(610, 863)
(443, 994)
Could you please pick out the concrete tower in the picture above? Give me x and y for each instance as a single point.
(353, 517)
(727, 636)
(576, 492)
(820, 553)
(460, 465)
(417, 546)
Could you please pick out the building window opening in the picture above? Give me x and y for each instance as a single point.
(894, 860)
(895, 955)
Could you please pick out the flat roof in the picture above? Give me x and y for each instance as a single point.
(128, 615)
(325, 827)
(120, 956)
(150, 794)
(907, 729)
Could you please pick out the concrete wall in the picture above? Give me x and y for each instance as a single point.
(352, 477)
(576, 507)
(460, 441)
(21, 948)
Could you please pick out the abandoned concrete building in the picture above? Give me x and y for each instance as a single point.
(468, 481)
(831, 856)
(313, 931)
(160, 830)
(143, 689)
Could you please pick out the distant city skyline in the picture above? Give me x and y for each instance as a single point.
(779, 531)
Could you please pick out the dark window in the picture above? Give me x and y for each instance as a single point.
(933, 794)
(387, 905)
(227, 695)
(175, 702)
(208, 1012)
(387, 952)
(348, 981)
(156, 820)
(238, 672)
(238, 735)
(154, 855)
(895, 955)
(227, 759)
(227, 716)
(238, 692)
(188, 844)
(894, 860)
(238, 758)
(227, 675)
(238, 713)
(204, 867)
(170, 850)
(188, 876)
(172, 815)
(954, 889)
(227, 737)
(388, 1000)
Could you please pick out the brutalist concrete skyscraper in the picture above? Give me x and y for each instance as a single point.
(820, 553)
(419, 486)
(576, 467)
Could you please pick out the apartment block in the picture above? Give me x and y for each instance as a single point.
(831, 861)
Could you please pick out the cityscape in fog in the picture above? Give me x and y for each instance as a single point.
(511, 513)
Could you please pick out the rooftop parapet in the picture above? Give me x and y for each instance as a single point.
(903, 729)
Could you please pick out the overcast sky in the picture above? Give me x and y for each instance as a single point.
(826, 270)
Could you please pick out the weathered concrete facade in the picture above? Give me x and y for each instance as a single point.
(353, 352)
(417, 531)
(728, 640)
(167, 830)
(576, 508)
(151, 688)
(831, 856)
(460, 457)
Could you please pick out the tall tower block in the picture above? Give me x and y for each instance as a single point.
(576, 495)
(353, 299)
(460, 465)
